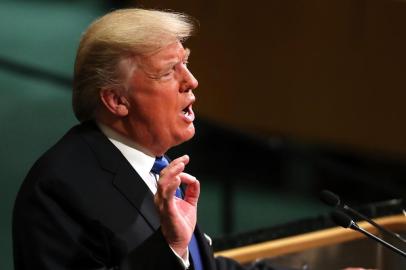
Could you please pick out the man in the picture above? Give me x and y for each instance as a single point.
(88, 202)
(104, 196)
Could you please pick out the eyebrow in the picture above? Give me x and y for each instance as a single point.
(185, 59)
(169, 65)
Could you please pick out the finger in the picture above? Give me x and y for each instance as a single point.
(187, 178)
(170, 181)
(193, 189)
(168, 193)
(170, 173)
(183, 159)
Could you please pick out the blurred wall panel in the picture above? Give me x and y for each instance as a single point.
(330, 71)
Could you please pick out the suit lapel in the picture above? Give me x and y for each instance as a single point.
(130, 184)
(205, 250)
(126, 180)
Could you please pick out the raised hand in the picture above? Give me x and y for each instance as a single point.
(178, 216)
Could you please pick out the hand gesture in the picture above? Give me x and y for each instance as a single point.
(178, 216)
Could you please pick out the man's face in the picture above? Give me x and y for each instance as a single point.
(160, 99)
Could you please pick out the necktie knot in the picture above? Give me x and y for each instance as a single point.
(159, 164)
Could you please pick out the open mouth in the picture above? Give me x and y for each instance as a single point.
(188, 113)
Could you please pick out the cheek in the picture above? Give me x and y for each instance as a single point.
(161, 106)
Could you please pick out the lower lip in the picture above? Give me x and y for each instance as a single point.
(190, 117)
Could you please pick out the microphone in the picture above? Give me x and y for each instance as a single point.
(345, 221)
(332, 199)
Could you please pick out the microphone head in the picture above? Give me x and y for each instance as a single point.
(330, 198)
(341, 219)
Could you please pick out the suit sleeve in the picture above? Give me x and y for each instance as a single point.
(50, 232)
(154, 253)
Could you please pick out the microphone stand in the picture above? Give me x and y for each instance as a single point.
(355, 226)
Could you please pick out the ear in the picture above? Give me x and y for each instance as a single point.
(115, 102)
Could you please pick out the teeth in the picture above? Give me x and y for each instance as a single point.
(186, 111)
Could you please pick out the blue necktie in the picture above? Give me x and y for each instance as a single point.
(159, 164)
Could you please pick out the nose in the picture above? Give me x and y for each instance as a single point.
(189, 81)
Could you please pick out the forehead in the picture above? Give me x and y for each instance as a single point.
(172, 53)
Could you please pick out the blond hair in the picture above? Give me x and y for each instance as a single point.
(111, 41)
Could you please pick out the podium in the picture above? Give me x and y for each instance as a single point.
(332, 248)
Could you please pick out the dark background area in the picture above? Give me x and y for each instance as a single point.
(294, 97)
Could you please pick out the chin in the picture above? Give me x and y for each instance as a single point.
(190, 133)
(187, 134)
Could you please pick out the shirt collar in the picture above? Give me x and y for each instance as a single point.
(141, 162)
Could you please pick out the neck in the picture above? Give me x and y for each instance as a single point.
(118, 132)
(132, 133)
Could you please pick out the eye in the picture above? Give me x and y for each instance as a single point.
(168, 73)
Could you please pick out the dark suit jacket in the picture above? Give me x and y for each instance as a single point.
(82, 206)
